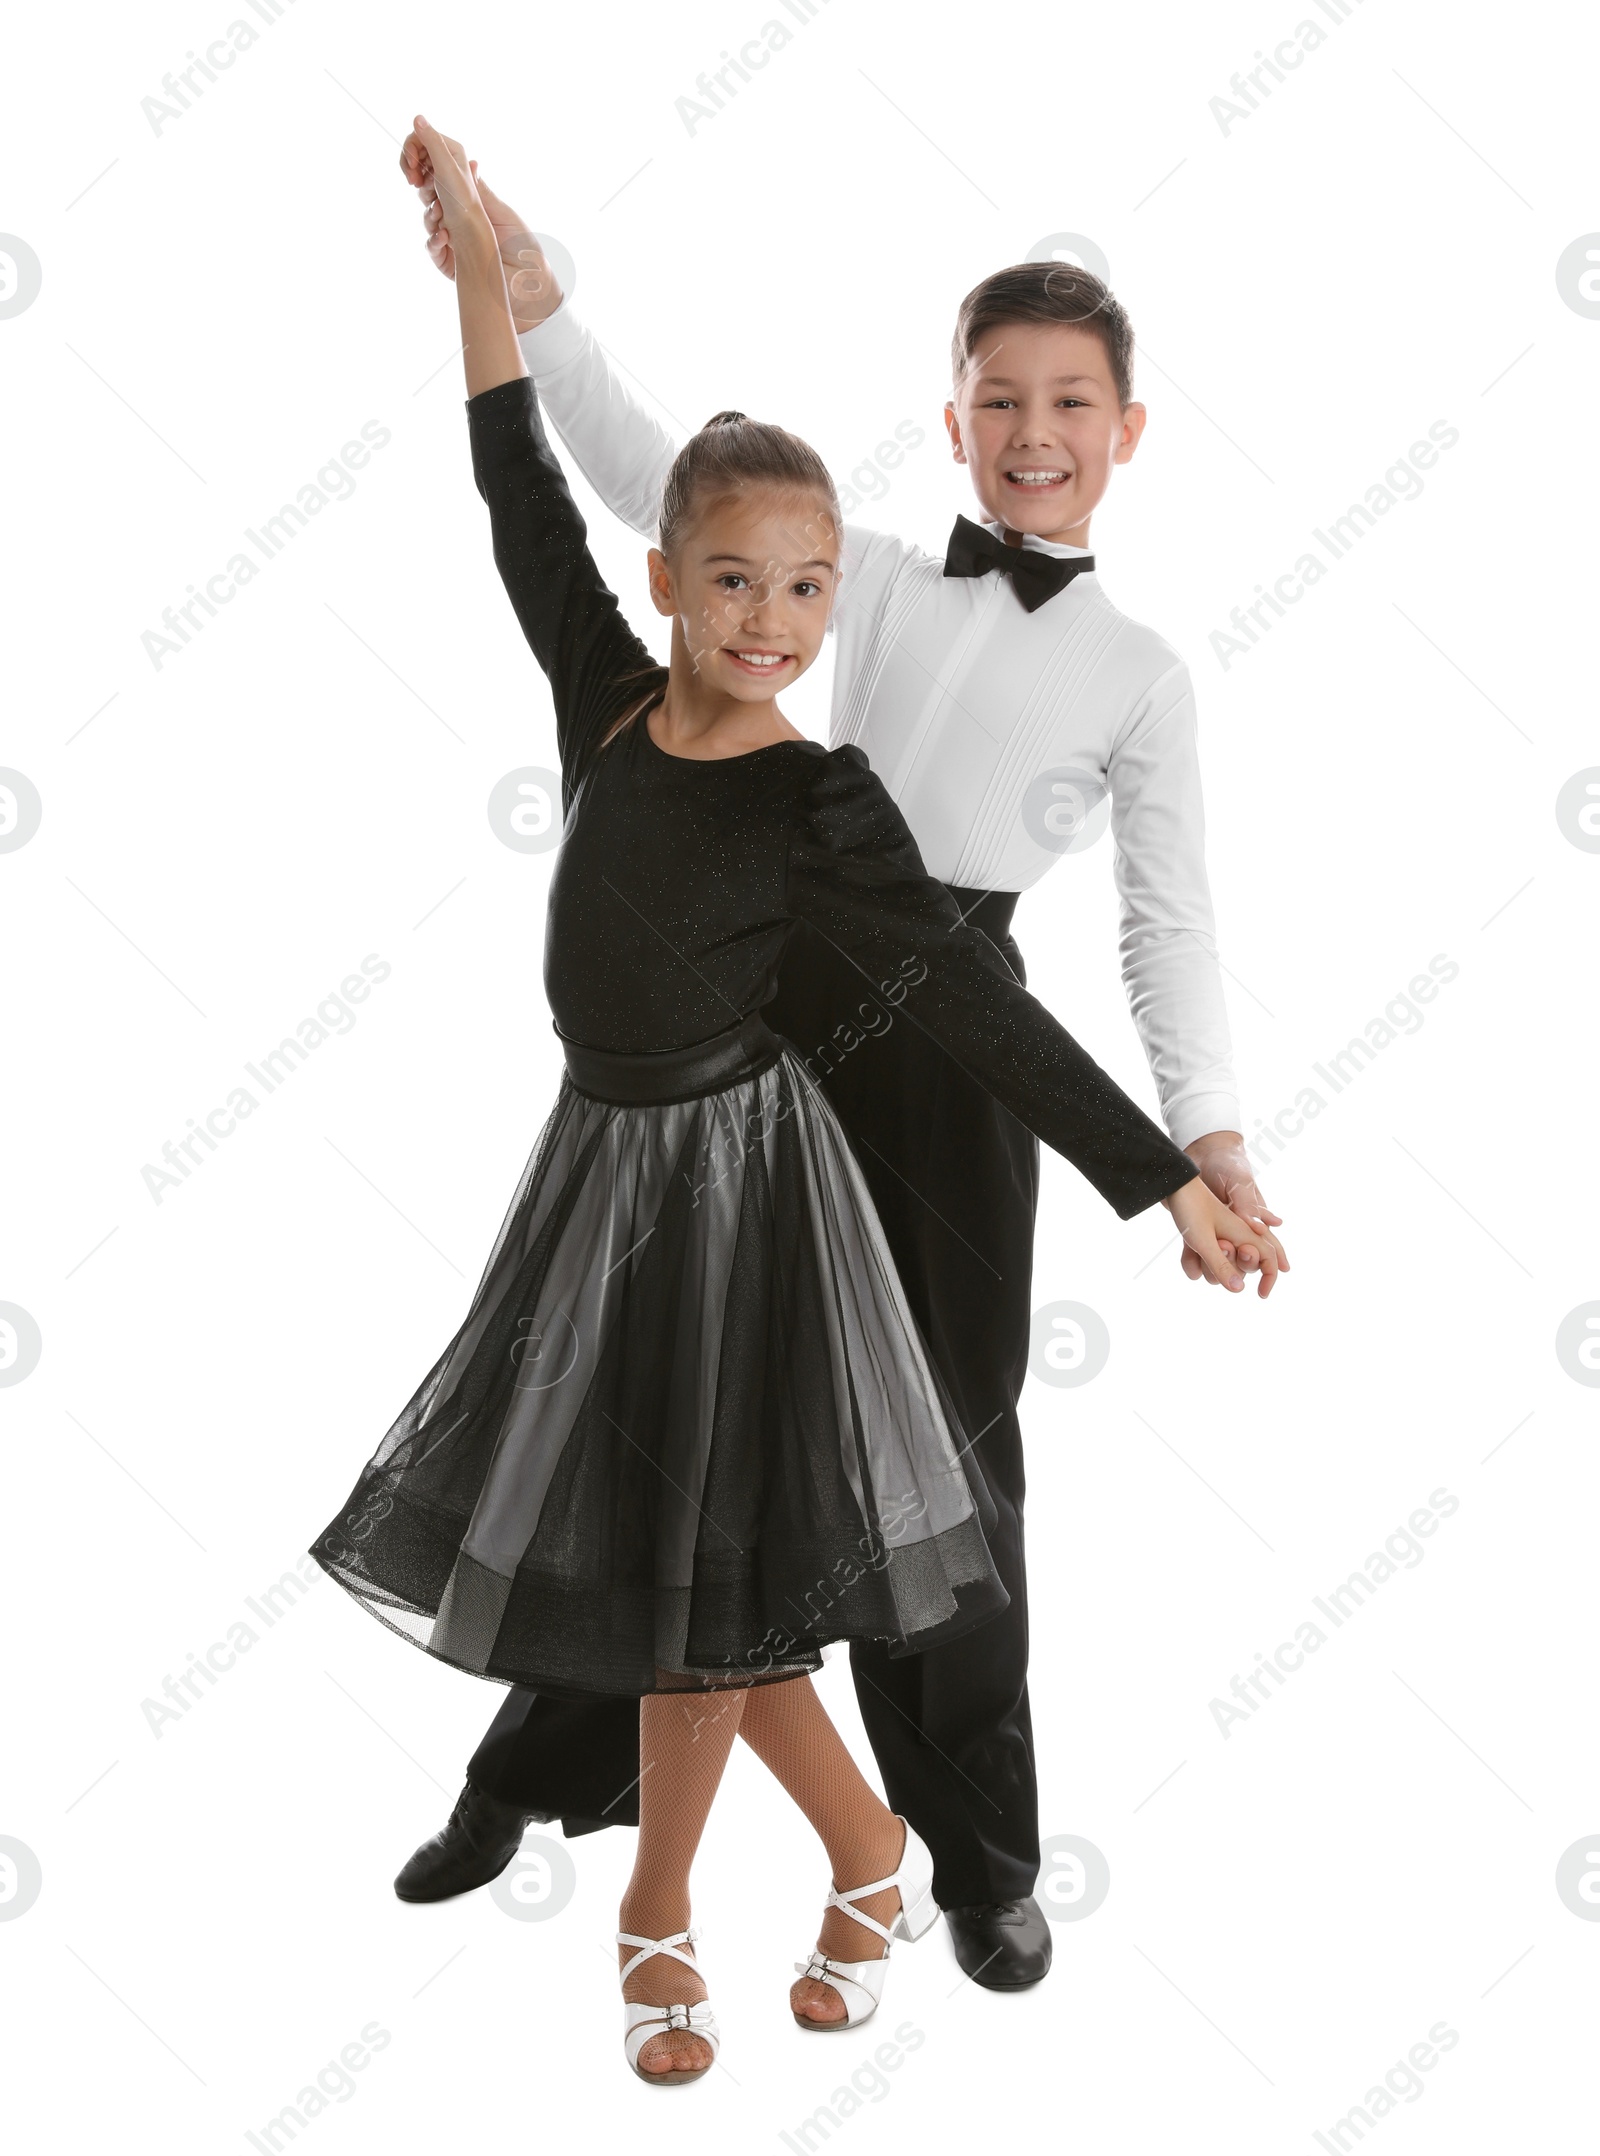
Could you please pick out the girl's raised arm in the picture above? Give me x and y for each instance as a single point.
(489, 344)
(595, 663)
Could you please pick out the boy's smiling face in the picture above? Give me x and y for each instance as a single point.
(1037, 421)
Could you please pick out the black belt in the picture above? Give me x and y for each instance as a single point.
(989, 910)
(663, 1075)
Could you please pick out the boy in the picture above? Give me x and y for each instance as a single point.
(999, 696)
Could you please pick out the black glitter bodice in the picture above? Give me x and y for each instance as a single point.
(680, 880)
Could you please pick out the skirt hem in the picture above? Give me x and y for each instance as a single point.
(969, 1616)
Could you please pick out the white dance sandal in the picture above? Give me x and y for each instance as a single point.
(860, 1983)
(640, 2021)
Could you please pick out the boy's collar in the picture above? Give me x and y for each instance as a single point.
(1043, 546)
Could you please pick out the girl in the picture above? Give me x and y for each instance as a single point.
(687, 1432)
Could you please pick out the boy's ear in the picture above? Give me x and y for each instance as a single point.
(1133, 420)
(952, 427)
(661, 594)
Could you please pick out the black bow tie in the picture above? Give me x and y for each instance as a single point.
(1035, 576)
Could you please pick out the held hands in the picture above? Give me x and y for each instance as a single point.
(1221, 1245)
(530, 281)
(451, 177)
(489, 348)
(1225, 1169)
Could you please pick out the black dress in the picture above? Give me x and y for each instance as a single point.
(688, 1431)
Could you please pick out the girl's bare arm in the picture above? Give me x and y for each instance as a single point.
(490, 350)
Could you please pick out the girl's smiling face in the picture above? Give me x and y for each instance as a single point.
(1038, 423)
(750, 585)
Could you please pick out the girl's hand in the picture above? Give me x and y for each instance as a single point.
(530, 282)
(1222, 1162)
(489, 347)
(449, 181)
(1222, 1242)
(417, 166)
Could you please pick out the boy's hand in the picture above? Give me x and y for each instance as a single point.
(1223, 1245)
(1225, 1169)
(530, 282)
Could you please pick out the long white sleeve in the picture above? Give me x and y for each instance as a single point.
(623, 452)
(1168, 935)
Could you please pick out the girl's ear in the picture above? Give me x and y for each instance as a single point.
(661, 592)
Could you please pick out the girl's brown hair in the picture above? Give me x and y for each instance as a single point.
(730, 453)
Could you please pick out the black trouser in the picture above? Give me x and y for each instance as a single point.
(955, 1180)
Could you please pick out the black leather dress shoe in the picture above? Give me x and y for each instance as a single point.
(1002, 1945)
(477, 1842)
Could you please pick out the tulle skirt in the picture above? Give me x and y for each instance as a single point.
(687, 1432)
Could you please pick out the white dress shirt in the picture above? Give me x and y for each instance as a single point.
(999, 732)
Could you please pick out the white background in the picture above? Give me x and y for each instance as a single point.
(224, 303)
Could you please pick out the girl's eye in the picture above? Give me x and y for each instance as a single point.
(806, 589)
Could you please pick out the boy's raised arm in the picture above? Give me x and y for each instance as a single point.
(623, 452)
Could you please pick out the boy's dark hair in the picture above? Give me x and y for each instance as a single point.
(1047, 292)
(732, 452)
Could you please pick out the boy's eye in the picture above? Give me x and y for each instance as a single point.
(806, 589)
(731, 580)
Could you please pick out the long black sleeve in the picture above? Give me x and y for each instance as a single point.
(855, 874)
(596, 665)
